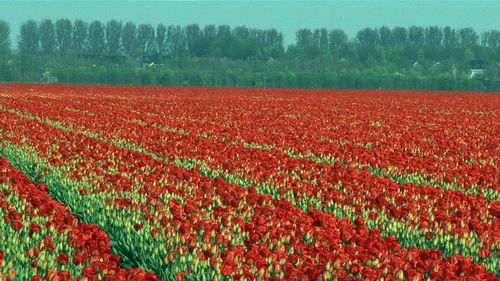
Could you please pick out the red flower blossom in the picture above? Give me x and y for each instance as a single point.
(78, 259)
(35, 227)
(62, 258)
(179, 276)
(484, 253)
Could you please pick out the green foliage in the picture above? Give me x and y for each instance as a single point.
(398, 58)
(47, 34)
(29, 39)
(4, 37)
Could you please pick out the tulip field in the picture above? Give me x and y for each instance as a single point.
(180, 183)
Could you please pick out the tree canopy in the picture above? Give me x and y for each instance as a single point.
(385, 57)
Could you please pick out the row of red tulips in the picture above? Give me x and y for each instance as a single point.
(131, 182)
(399, 131)
(430, 210)
(467, 174)
(41, 239)
(241, 234)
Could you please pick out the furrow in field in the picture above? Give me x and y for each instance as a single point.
(42, 239)
(280, 241)
(308, 179)
(454, 145)
(391, 173)
(398, 229)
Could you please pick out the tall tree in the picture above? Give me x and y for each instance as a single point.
(258, 35)
(209, 38)
(210, 32)
(223, 41)
(80, 36)
(241, 32)
(307, 43)
(4, 37)
(337, 38)
(274, 43)
(468, 37)
(490, 39)
(96, 38)
(176, 40)
(194, 40)
(243, 45)
(274, 38)
(64, 28)
(129, 39)
(161, 34)
(304, 37)
(367, 37)
(416, 36)
(385, 36)
(494, 39)
(29, 41)
(146, 39)
(47, 33)
(450, 37)
(433, 36)
(113, 37)
(399, 36)
(223, 31)
(320, 37)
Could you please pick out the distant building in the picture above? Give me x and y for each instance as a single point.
(477, 68)
(150, 61)
(416, 67)
(436, 67)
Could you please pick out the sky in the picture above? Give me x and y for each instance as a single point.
(286, 16)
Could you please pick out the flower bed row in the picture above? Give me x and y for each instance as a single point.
(480, 177)
(128, 185)
(41, 239)
(244, 235)
(434, 219)
(349, 125)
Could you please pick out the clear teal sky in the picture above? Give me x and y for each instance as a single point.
(286, 16)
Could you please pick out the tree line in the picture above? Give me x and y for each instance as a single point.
(114, 38)
(418, 54)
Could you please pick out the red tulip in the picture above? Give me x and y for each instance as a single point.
(62, 258)
(179, 276)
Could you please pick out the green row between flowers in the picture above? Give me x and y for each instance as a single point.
(406, 235)
(447, 243)
(415, 178)
(132, 247)
(401, 178)
(125, 251)
(16, 244)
